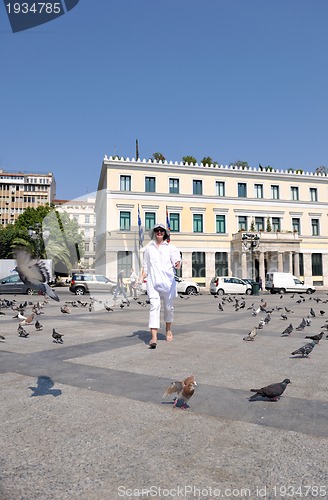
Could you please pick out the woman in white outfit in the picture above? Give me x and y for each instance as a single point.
(160, 260)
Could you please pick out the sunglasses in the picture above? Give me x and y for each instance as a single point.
(159, 230)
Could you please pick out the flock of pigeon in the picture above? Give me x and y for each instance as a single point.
(274, 391)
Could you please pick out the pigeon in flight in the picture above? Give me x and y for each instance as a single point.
(305, 350)
(272, 391)
(34, 273)
(185, 390)
(251, 335)
(57, 336)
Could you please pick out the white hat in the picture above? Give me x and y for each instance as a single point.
(162, 226)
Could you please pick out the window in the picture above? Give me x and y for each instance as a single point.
(125, 221)
(198, 223)
(220, 188)
(149, 220)
(174, 185)
(175, 222)
(294, 193)
(275, 192)
(197, 187)
(313, 194)
(198, 265)
(125, 182)
(242, 190)
(87, 219)
(296, 224)
(124, 261)
(87, 247)
(259, 223)
(258, 190)
(220, 224)
(276, 224)
(316, 264)
(242, 223)
(221, 264)
(150, 184)
(315, 227)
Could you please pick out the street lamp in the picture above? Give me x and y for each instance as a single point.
(251, 241)
(35, 232)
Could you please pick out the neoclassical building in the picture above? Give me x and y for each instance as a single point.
(225, 220)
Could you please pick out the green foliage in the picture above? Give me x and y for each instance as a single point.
(252, 228)
(268, 225)
(31, 216)
(243, 164)
(65, 244)
(189, 159)
(158, 157)
(208, 160)
(8, 234)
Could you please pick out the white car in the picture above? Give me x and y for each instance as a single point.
(226, 284)
(183, 286)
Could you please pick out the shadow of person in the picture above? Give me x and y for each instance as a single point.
(44, 387)
(144, 336)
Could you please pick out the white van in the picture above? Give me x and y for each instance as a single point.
(286, 282)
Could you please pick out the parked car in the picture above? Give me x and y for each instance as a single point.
(183, 286)
(13, 284)
(82, 283)
(221, 285)
(286, 282)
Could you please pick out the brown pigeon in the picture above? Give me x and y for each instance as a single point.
(185, 390)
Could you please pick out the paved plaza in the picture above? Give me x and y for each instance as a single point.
(86, 420)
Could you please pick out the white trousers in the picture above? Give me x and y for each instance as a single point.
(155, 305)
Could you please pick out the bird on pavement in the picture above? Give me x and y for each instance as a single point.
(302, 325)
(287, 330)
(305, 350)
(251, 335)
(38, 326)
(28, 320)
(312, 313)
(317, 338)
(65, 309)
(57, 336)
(34, 273)
(284, 316)
(2, 337)
(272, 391)
(185, 389)
(22, 332)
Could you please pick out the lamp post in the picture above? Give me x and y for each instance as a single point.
(35, 232)
(251, 241)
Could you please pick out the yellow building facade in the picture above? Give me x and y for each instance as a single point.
(213, 211)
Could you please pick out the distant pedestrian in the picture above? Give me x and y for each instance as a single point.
(260, 283)
(120, 286)
(133, 284)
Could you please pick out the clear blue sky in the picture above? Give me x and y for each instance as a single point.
(230, 79)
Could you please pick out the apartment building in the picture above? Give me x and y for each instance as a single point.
(83, 211)
(19, 190)
(214, 213)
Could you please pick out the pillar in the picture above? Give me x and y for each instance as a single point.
(290, 262)
(262, 267)
(243, 265)
(297, 264)
(280, 262)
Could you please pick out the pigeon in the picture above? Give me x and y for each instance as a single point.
(272, 391)
(220, 307)
(288, 310)
(267, 319)
(33, 273)
(317, 338)
(302, 325)
(261, 324)
(283, 316)
(251, 335)
(108, 308)
(255, 311)
(141, 303)
(28, 320)
(322, 312)
(185, 390)
(312, 313)
(57, 336)
(2, 337)
(287, 330)
(65, 309)
(22, 332)
(305, 350)
(38, 326)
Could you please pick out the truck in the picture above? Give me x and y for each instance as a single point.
(286, 282)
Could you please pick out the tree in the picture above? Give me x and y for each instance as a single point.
(158, 157)
(208, 160)
(8, 234)
(268, 225)
(65, 243)
(243, 164)
(189, 159)
(321, 170)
